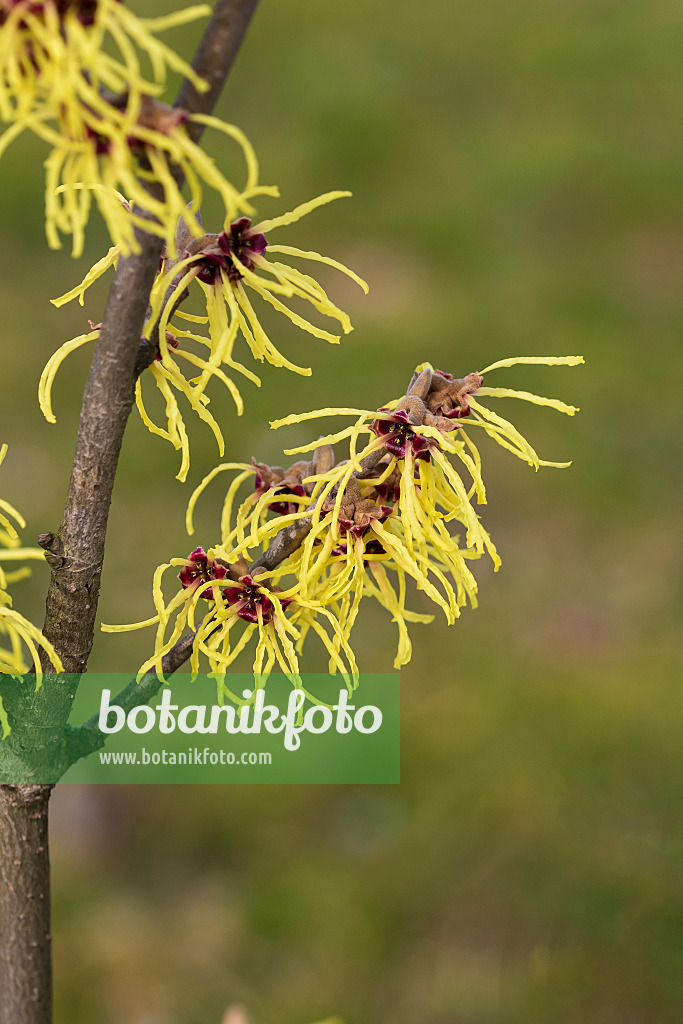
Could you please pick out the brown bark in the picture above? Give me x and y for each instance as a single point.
(25, 966)
(215, 56)
(76, 555)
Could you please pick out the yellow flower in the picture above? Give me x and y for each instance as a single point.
(285, 492)
(57, 55)
(223, 266)
(419, 437)
(227, 266)
(353, 538)
(167, 380)
(108, 155)
(364, 527)
(16, 632)
(227, 604)
(101, 118)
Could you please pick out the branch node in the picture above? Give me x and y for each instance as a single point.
(54, 549)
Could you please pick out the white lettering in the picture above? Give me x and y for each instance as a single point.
(105, 710)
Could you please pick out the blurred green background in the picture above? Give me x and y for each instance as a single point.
(516, 170)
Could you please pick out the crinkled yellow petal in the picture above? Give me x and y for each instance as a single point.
(199, 490)
(20, 554)
(298, 321)
(317, 414)
(93, 274)
(388, 598)
(149, 423)
(327, 439)
(233, 132)
(31, 636)
(140, 30)
(527, 396)
(534, 360)
(298, 212)
(129, 626)
(304, 287)
(508, 430)
(257, 339)
(48, 375)
(289, 250)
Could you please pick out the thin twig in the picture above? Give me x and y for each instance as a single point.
(87, 738)
(288, 539)
(215, 56)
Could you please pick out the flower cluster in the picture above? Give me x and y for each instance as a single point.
(382, 517)
(110, 136)
(16, 632)
(312, 540)
(223, 268)
(228, 604)
(72, 73)
(55, 60)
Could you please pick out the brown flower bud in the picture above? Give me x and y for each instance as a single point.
(414, 407)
